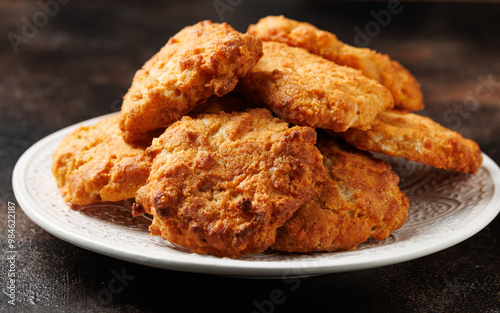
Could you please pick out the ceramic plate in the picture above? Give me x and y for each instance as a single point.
(446, 208)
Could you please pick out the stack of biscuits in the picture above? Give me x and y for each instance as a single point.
(239, 143)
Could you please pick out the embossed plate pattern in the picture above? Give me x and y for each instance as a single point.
(446, 208)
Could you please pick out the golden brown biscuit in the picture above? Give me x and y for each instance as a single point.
(221, 184)
(360, 199)
(94, 164)
(403, 86)
(417, 138)
(307, 90)
(199, 61)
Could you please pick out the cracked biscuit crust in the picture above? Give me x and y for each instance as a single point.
(308, 90)
(94, 164)
(222, 183)
(417, 138)
(360, 199)
(199, 61)
(403, 86)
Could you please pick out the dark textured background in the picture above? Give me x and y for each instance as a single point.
(80, 63)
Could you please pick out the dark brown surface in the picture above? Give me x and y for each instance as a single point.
(80, 63)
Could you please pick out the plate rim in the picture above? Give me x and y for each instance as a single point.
(234, 267)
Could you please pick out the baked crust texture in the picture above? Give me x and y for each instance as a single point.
(360, 199)
(222, 183)
(401, 83)
(308, 90)
(417, 138)
(199, 61)
(94, 164)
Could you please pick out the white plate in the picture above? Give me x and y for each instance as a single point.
(446, 208)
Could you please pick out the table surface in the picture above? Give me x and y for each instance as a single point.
(69, 61)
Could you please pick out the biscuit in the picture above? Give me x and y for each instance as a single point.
(360, 199)
(199, 61)
(221, 184)
(307, 90)
(417, 138)
(94, 164)
(403, 86)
